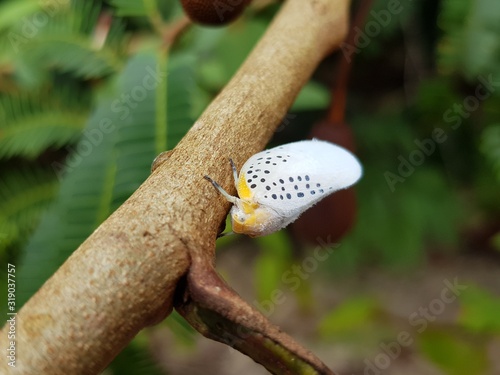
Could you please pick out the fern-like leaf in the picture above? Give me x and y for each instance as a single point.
(152, 9)
(12, 11)
(128, 130)
(24, 195)
(82, 203)
(80, 39)
(135, 8)
(157, 123)
(31, 122)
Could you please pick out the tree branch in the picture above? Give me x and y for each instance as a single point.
(123, 277)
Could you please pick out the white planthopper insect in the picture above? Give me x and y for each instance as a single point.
(276, 186)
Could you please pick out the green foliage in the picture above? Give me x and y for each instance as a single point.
(312, 96)
(12, 11)
(135, 356)
(69, 39)
(397, 218)
(30, 122)
(490, 146)
(495, 241)
(223, 51)
(479, 311)
(434, 97)
(353, 318)
(227, 50)
(185, 334)
(271, 265)
(155, 10)
(470, 43)
(382, 23)
(135, 8)
(454, 354)
(24, 194)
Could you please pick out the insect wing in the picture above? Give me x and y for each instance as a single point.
(293, 177)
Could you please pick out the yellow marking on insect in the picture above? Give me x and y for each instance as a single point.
(250, 221)
(244, 191)
(249, 208)
(238, 227)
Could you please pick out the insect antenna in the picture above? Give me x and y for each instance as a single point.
(224, 193)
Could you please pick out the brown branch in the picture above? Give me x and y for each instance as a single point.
(336, 113)
(123, 277)
(173, 31)
(217, 311)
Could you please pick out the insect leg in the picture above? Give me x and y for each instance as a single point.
(225, 234)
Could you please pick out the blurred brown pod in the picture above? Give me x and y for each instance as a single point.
(214, 12)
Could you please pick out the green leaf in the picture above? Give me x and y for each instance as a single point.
(384, 21)
(31, 122)
(213, 74)
(83, 202)
(452, 22)
(471, 42)
(482, 43)
(490, 146)
(435, 96)
(136, 8)
(312, 96)
(271, 264)
(157, 122)
(352, 315)
(453, 354)
(147, 8)
(479, 311)
(14, 10)
(136, 358)
(24, 195)
(71, 41)
(406, 207)
(184, 333)
(230, 50)
(495, 241)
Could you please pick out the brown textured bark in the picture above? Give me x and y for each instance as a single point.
(123, 277)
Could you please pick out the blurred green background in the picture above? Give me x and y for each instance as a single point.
(90, 94)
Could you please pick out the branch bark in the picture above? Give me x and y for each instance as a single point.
(123, 277)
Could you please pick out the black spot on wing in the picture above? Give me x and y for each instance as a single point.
(277, 183)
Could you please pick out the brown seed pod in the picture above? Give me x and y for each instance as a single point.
(214, 12)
